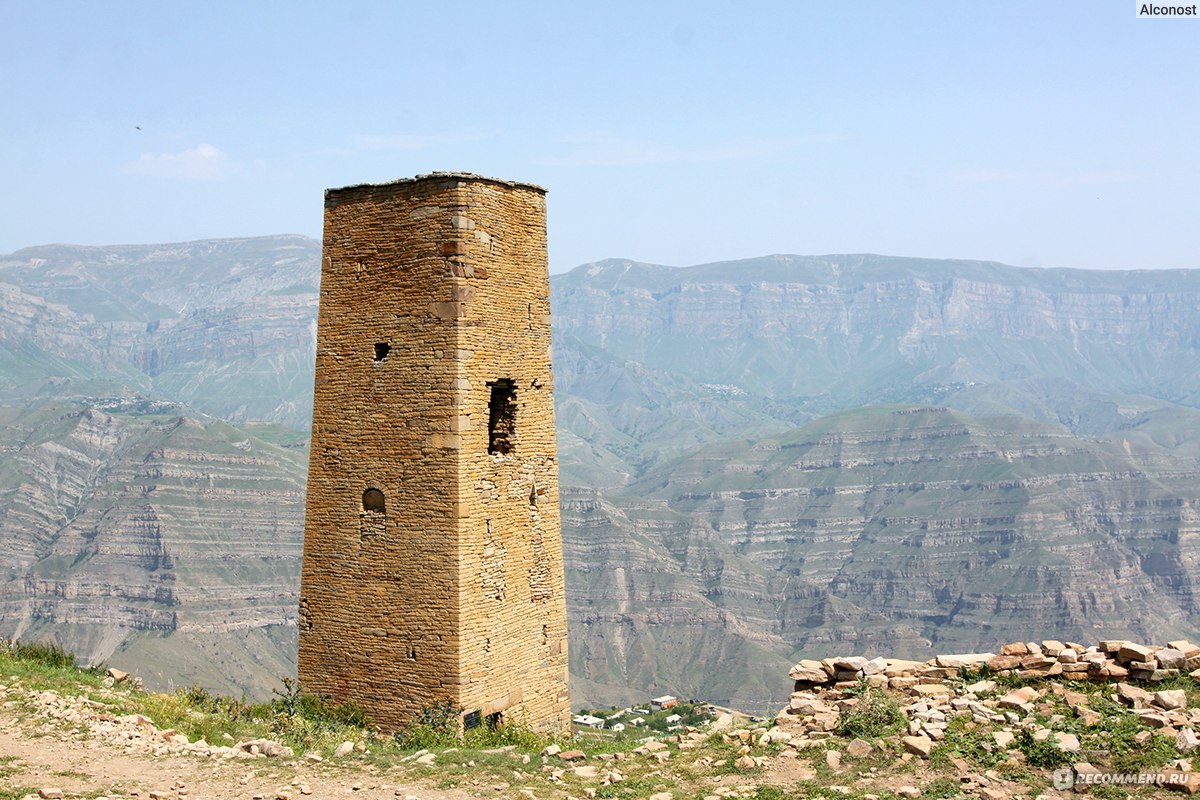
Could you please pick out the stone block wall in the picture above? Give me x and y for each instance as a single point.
(433, 552)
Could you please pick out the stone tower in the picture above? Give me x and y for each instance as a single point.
(432, 548)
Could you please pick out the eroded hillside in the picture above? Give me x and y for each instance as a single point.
(735, 496)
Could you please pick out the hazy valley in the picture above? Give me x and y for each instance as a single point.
(761, 460)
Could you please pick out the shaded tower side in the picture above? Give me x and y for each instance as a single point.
(513, 630)
(429, 392)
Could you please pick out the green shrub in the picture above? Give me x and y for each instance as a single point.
(877, 714)
(768, 793)
(49, 654)
(435, 726)
(508, 733)
(295, 702)
(1119, 738)
(942, 789)
(16, 792)
(201, 699)
(965, 740)
(1041, 753)
(629, 789)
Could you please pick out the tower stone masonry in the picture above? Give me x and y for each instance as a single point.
(432, 546)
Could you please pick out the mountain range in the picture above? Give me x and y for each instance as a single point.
(761, 460)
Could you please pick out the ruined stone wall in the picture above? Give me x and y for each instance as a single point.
(432, 289)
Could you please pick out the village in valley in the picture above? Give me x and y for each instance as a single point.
(665, 714)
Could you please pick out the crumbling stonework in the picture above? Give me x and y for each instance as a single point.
(433, 550)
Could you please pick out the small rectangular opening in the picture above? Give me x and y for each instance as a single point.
(381, 350)
(502, 416)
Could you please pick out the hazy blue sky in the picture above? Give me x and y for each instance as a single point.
(1039, 133)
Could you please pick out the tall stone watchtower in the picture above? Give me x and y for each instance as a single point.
(432, 548)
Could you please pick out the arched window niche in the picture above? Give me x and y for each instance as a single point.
(373, 501)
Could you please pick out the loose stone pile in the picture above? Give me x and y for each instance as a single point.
(1111, 660)
(828, 689)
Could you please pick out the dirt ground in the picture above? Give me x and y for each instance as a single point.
(85, 767)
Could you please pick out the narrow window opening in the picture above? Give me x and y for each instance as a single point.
(373, 501)
(412, 652)
(472, 719)
(502, 416)
(381, 350)
(545, 634)
(487, 645)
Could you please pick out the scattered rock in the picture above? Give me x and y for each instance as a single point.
(1133, 696)
(1019, 698)
(1134, 652)
(918, 745)
(266, 747)
(1180, 781)
(1170, 699)
(1170, 658)
(1067, 741)
(859, 748)
(932, 690)
(980, 687)
(810, 671)
(964, 660)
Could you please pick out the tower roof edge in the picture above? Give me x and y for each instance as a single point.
(439, 176)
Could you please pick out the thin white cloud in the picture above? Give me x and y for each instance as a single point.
(602, 150)
(1046, 177)
(202, 162)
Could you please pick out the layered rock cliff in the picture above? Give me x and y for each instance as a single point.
(122, 524)
(886, 530)
(719, 522)
(792, 337)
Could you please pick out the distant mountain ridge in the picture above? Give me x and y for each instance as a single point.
(765, 344)
(761, 459)
(226, 326)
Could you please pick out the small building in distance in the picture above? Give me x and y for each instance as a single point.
(666, 701)
(588, 720)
